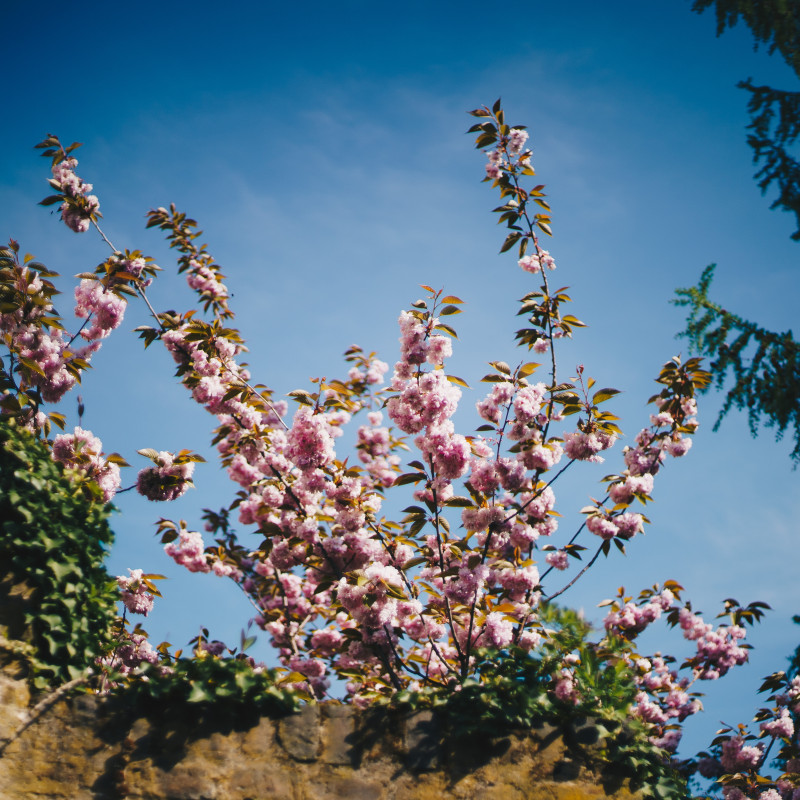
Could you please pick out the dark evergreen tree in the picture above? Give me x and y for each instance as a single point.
(774, 113)
(764, 366)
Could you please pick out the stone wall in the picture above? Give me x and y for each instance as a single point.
(90, 748)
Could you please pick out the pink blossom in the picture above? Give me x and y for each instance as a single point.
(518, 582)
(737, 757)
(528, 402)
(215, 648)
(541, 457)
(782, 726)
(413, 346)
(623, 492)
(104, 308)
(629, 525)
(536, 262)
(530, 263)
(678, 446)
(512, 474)
(368, 602)
(541, 345)
(131, 654)
(493, 171)
(585, 446)
(189, 551)
(709, 767)
(165, 481)
(529, 639)
(81, 450)
(205, 281)
(558, 559)
(134, 593)
(516, 141)
(376, 370)
(78, 206)
(225, 569)
(498, 630)
(309, 442)
(643, 459)
(631, 619)
(602, 526)
(428, 402)
(565, 688)
(501, 395)
(439, 348)
(669, 741)
(484, 477)
(689, 406)
(661, 419)
(538, 505)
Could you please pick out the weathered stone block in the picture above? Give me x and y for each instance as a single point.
(343, 787)
(421, 742)
(338, 735)
(299, 734)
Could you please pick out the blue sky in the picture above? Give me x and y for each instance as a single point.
(322, 149)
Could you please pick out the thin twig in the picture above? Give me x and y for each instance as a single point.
(41, 707)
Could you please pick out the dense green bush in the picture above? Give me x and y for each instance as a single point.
(54, 537)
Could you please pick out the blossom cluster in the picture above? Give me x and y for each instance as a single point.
(168, 479)
(738, 758)
(45, 364)
(83, 451)
(340, 589)
(130, 654)
(79, 206)
(135, 595)
(664, 698)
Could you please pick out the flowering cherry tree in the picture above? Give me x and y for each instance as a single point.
(385, 606)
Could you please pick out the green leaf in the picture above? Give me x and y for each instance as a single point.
(31, 365)
(460, 502)
(510, 240)
(447, 329)
(198, 694)
(528, 369)
(410, 477)
(148, 452)
(603, 394)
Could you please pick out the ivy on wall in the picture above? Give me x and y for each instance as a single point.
(54, 537)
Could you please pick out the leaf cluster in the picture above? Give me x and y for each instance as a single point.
(494, 132)
(226, 687)
(181, 234)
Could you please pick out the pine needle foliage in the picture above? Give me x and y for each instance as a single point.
(774, 113)
(774, 23)
(764, 366)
